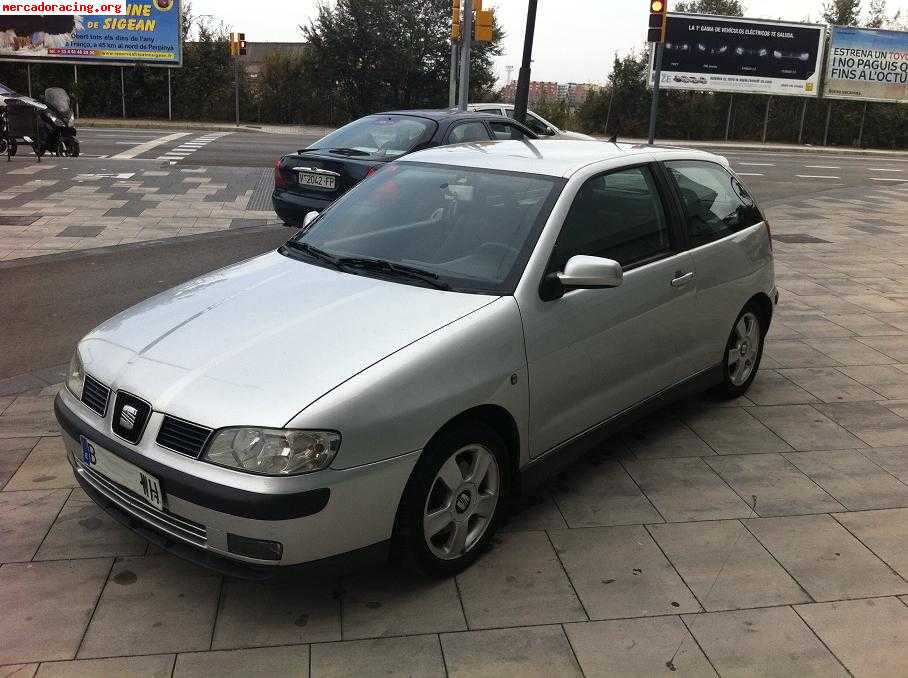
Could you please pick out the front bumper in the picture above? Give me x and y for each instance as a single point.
(203, 520)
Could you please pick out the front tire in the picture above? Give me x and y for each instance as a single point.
(454, 500)
(743, 352)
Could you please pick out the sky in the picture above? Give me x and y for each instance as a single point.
(576, 40)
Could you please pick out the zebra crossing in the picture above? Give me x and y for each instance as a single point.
(187, 148)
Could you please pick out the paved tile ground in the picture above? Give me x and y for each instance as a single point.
(65, 204)
(765, 536)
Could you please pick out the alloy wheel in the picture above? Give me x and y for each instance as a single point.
(462, 501)
(745, 347)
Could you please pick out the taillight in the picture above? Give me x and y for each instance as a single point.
(372, 170)
(769, 233)
(279, 180)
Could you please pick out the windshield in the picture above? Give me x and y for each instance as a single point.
(385, 136)
(58, 98)
(473, 229)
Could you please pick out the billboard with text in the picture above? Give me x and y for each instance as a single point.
(867, 63)
(147, 31)
(727, 54)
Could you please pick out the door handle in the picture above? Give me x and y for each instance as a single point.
(681, 279)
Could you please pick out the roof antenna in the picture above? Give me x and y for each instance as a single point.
(614, 138)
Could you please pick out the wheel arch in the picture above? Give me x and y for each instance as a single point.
(764, 304)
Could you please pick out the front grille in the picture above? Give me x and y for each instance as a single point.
(133, 504)
(130, 427)
(183, 436)
(95, 395)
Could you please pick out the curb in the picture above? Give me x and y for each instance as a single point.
(757, 146)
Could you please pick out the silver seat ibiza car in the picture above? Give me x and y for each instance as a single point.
(444, 337)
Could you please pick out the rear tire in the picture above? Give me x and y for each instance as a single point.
(454, 500)
(71, 147)
(743, 352)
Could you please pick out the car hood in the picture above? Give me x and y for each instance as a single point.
(257, 342)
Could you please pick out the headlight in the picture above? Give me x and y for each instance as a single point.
(273, 452)
(75, 376)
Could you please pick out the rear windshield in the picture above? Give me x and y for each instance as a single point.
(379, 136)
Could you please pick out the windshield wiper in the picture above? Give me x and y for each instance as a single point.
(390, 268)
(315, 253)
(348, 151)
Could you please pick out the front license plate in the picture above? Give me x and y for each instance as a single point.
(317, 180)
(122, 473)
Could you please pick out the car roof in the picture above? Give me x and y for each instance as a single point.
(443, 114)
(550, 157)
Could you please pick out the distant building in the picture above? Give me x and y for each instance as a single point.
(256, 52)
(572, 93)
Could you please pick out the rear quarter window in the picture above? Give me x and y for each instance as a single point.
(715, 203)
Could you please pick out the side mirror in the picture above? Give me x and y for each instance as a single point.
(309, 218)
(582, 271)
(549, 132)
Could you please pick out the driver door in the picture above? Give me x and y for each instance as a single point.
(593, 353)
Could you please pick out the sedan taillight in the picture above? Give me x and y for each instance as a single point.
(769, 233)
(279, 180)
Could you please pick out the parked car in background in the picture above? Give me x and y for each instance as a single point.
(450, 333)
(542, 127)
(314, 177)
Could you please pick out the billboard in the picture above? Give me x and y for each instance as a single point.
(727, 54)
(148, 31)
(867, 63)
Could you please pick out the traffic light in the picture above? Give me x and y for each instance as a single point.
(483, 25)
(237, 44)
(455, 20)
(657, 21)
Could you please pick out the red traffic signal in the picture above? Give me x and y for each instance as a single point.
(657, 11)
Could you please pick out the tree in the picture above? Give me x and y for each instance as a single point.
(383, 54)
(721, 7)
(842, 12)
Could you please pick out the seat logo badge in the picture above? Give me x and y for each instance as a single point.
(463, 501)
(128, 417)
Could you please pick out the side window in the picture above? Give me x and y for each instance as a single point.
(503, 130)
(618, 216)
(537, 125)
(715, 203)
(496, 111)
(468, 131)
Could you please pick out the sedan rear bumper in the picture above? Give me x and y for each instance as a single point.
(292, 208)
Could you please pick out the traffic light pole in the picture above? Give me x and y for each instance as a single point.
(236, 83)
(465, 39)
(523, 78)
(452, 86)
(657, 80)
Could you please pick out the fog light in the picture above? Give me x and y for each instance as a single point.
(254, 548)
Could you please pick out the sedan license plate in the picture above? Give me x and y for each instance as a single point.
(317, 180)
(121, 472)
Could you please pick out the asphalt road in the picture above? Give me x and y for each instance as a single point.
(49, 304)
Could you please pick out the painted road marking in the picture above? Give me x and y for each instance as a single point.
(148, 145)
(757, 164)
(882, 169)
(813, 176)
(749, 174)
(886, 179)
(189, 147)
(821, 167)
